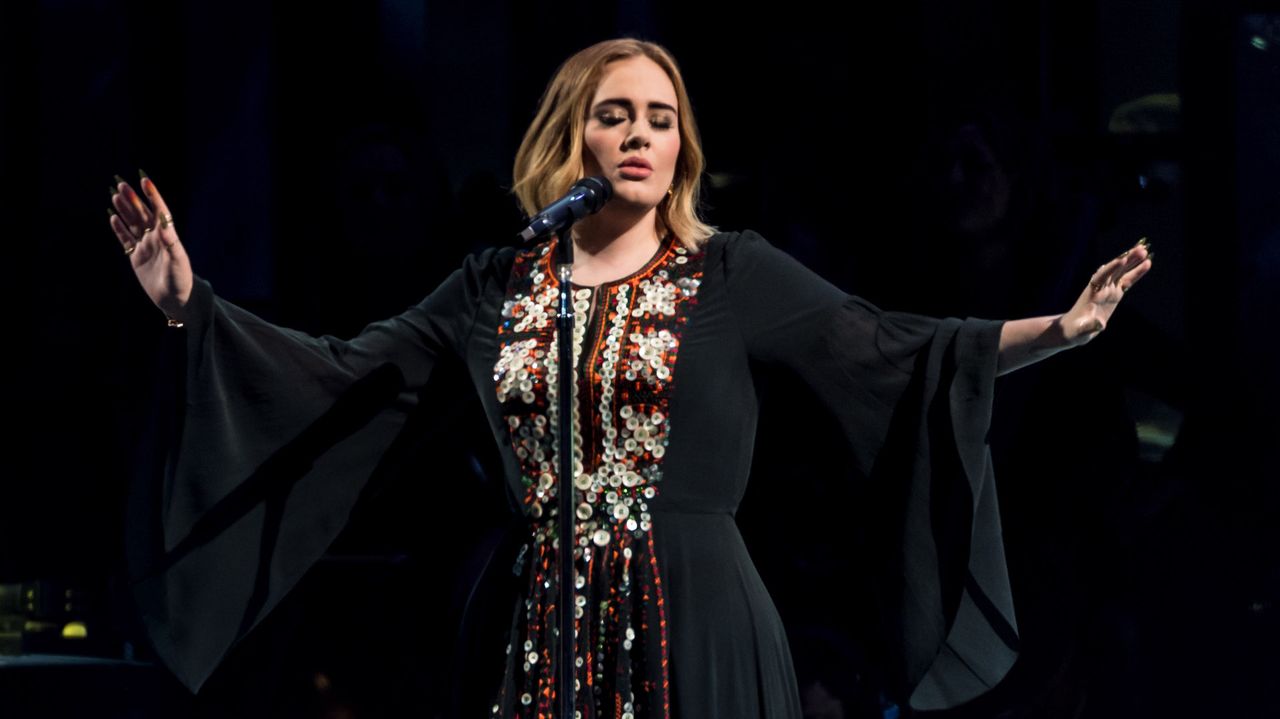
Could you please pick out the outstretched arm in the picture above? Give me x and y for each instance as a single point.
(1026, 341)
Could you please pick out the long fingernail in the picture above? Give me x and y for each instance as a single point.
(119, 179)
(114, 192)
(1144, 243)
(110, 212)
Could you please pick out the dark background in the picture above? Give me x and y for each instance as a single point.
(330, 164)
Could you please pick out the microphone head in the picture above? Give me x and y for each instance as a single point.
(586, 197)
(600, 189)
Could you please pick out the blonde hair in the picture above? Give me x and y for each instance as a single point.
(549, 160)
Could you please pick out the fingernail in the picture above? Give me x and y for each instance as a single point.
(1151, 256)
(111, 212)
(119, 179)
(114, 192)
(147, 186)
(1144, 243)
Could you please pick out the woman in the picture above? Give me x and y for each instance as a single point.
(672, 617)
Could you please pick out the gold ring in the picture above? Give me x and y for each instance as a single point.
(166, 219)
(129, 250)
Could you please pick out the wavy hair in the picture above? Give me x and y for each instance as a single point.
(549, 160)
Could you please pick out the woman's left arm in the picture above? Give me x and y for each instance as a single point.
(1026, 341)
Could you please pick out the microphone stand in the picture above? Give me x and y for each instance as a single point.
(585, 197)
(565, 486)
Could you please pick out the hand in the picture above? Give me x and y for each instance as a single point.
(147, 233)
(1106, 288)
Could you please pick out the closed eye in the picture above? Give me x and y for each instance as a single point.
(658, 123)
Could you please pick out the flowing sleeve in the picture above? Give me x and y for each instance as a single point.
(278, 433)
(913, 396)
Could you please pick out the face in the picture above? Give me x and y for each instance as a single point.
(632, 122)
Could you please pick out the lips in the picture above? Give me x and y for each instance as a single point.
(634, 168)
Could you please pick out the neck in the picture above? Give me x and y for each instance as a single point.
(608, 236)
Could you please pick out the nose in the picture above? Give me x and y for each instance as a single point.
(636, 139)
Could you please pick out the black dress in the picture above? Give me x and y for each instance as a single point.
(673, 619)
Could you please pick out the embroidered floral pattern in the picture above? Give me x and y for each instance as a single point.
(626, 342)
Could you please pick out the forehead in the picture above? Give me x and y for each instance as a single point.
(637, 79)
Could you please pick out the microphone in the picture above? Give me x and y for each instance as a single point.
(586, 197)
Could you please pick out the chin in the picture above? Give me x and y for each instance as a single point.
(635, 197)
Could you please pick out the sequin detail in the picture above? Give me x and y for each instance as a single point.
(626, 342)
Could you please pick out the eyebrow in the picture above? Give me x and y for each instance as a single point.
(627, 103)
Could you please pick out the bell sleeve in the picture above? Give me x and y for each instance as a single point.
(278, 433)
(913, 397)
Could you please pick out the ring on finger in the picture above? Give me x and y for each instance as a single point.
(129, 250)
(166, 220)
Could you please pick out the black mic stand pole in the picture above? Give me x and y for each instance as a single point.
(565, 487)
(586, 196)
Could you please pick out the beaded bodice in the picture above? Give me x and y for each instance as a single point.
(626, 340)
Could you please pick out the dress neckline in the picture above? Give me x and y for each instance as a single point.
(663, 248)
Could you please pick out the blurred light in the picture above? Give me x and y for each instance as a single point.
(75, 630)
(1258, 42)
(1156, 435)
(1142, 181)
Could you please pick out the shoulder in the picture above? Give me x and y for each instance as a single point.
(753, 267)
(480, 273)
(493, 257)
(736, 247)
(491, 263)
(745, 252)
(734, 240)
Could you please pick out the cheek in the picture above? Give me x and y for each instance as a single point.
(590, 157)
(594, 147)
(671, 152)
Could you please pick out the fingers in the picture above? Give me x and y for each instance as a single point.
(1101, 277)
(137, 217)
(123, 233)
(168, 235)
(132, 210)
(1137, 261)
(1120, 271)
(1130, 278)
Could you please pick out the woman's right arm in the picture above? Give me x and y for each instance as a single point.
(267, 353)
(277, 433)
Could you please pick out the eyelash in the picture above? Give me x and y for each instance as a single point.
(611, 121)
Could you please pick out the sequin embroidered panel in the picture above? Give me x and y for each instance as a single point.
(627, 334)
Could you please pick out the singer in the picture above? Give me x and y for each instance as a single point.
(672, 617)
